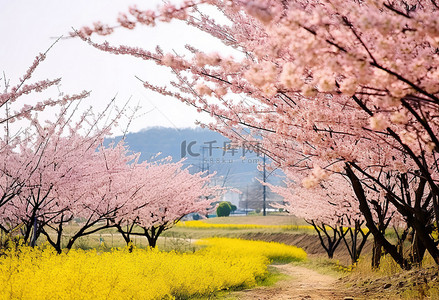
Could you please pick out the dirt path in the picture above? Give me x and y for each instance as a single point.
(302, 283)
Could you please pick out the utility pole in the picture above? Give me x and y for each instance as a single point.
(264, 190)
(207, 168)
(246, 201)
(203, 168)
(202, 162)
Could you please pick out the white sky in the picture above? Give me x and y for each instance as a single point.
(29, 27)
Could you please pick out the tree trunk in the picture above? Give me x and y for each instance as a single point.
(423, 234)
(125, 234)
(331, 242)
(152, 234)
(152, 241)
(364, 208)
(356, 244)
(418, 250)
(377, 252)
(54, 243)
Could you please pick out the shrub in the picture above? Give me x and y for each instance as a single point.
(232, 206)
(223, 209)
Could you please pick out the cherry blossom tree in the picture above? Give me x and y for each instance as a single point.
(18, 103)
(168, 193)
(75, 176)
(329, 85)
(333, 213)
(335, 207)
(65, 173)
(44, 163)
(99, 186)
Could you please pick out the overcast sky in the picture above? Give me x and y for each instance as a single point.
(29, 27)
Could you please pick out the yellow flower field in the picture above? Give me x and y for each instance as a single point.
(204, 225)
(271, 250)
(143, 274)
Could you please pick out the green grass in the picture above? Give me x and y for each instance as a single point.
(324, 265)
(273, 276)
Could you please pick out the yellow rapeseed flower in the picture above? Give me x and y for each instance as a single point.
(37, 273)
(204, 225)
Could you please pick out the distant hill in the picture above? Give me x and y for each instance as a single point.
(203, 150)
